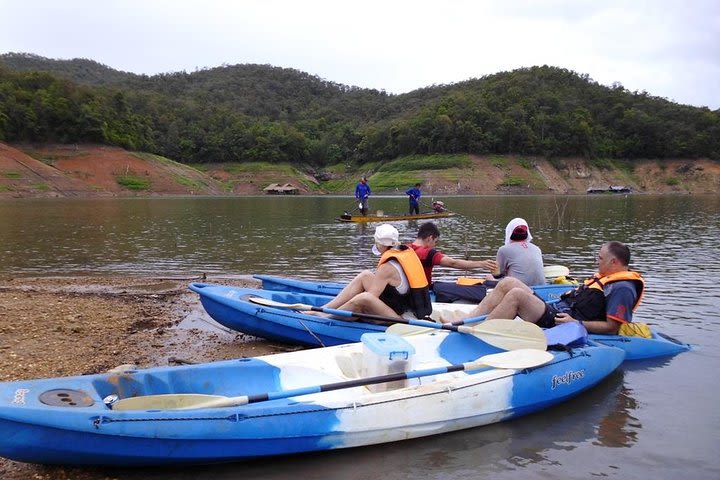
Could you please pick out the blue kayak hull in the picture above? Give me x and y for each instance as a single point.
(87, 431)
(548, 292)
(229, 306)
(638, 348)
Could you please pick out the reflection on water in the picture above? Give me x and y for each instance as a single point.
(619, 428)
(627, 426)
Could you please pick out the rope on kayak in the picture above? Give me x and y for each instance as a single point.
(312, 333)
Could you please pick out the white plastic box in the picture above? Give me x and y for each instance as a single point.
(383, 354)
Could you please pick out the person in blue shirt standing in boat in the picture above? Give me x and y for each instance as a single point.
(362, 193)
(414, 195)
(602, 304)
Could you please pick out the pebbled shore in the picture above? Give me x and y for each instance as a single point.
(59, 326)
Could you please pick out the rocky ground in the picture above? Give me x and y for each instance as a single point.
(80, 325)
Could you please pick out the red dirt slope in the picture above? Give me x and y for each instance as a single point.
(69, 170)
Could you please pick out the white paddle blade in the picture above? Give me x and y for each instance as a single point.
(515, 359)
(451, 312)
(271, 303)
(170, 401)
(404, 330)
(554, 271)
(508, 334)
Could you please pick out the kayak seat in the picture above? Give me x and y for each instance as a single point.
(350, 364)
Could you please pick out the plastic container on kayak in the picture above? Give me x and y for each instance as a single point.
(383, 354)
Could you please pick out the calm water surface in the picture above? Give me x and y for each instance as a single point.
(656, 419)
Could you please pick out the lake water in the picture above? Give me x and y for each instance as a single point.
(657, 419)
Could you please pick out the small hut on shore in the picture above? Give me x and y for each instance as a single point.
(277, 189)
(610, 189)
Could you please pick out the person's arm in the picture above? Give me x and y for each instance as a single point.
(450, 262)
(501, 264)
(619, 305)
(605, 327)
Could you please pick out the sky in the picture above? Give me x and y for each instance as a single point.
(667, 48)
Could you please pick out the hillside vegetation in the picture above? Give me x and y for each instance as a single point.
(97, 170)
(260, 113)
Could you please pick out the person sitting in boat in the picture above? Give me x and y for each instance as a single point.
(362, 193)
(601, 304)
(519, 257)
(438, 206)
(398, 284)
(425, 248)
(414, 195)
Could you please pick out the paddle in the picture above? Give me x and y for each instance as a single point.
(517, 359)
(404, 329)
(505, 334)
(549, 272)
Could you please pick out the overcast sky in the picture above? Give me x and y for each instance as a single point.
(668, 48)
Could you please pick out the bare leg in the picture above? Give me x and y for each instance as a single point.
(519, 302)
(361, 283)
(496, 296)
(369, 303)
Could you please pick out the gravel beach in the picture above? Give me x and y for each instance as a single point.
(60, 326)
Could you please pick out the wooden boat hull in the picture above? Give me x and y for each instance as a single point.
(229, 307)
(87, 431)
(391, 218)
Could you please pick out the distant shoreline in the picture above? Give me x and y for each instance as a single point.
(98, 171)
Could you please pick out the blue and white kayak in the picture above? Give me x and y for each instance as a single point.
(547, 292)
(230, 307)
(639, 348)
(308, 400)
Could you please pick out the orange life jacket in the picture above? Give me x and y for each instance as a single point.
(418, 294)
(587, 302)
(599, 282)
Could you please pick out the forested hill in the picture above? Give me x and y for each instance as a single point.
(246, 113)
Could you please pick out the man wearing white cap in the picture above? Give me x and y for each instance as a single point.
(398, 284)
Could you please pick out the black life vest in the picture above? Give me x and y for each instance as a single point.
(587, 302)
(418, 295)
